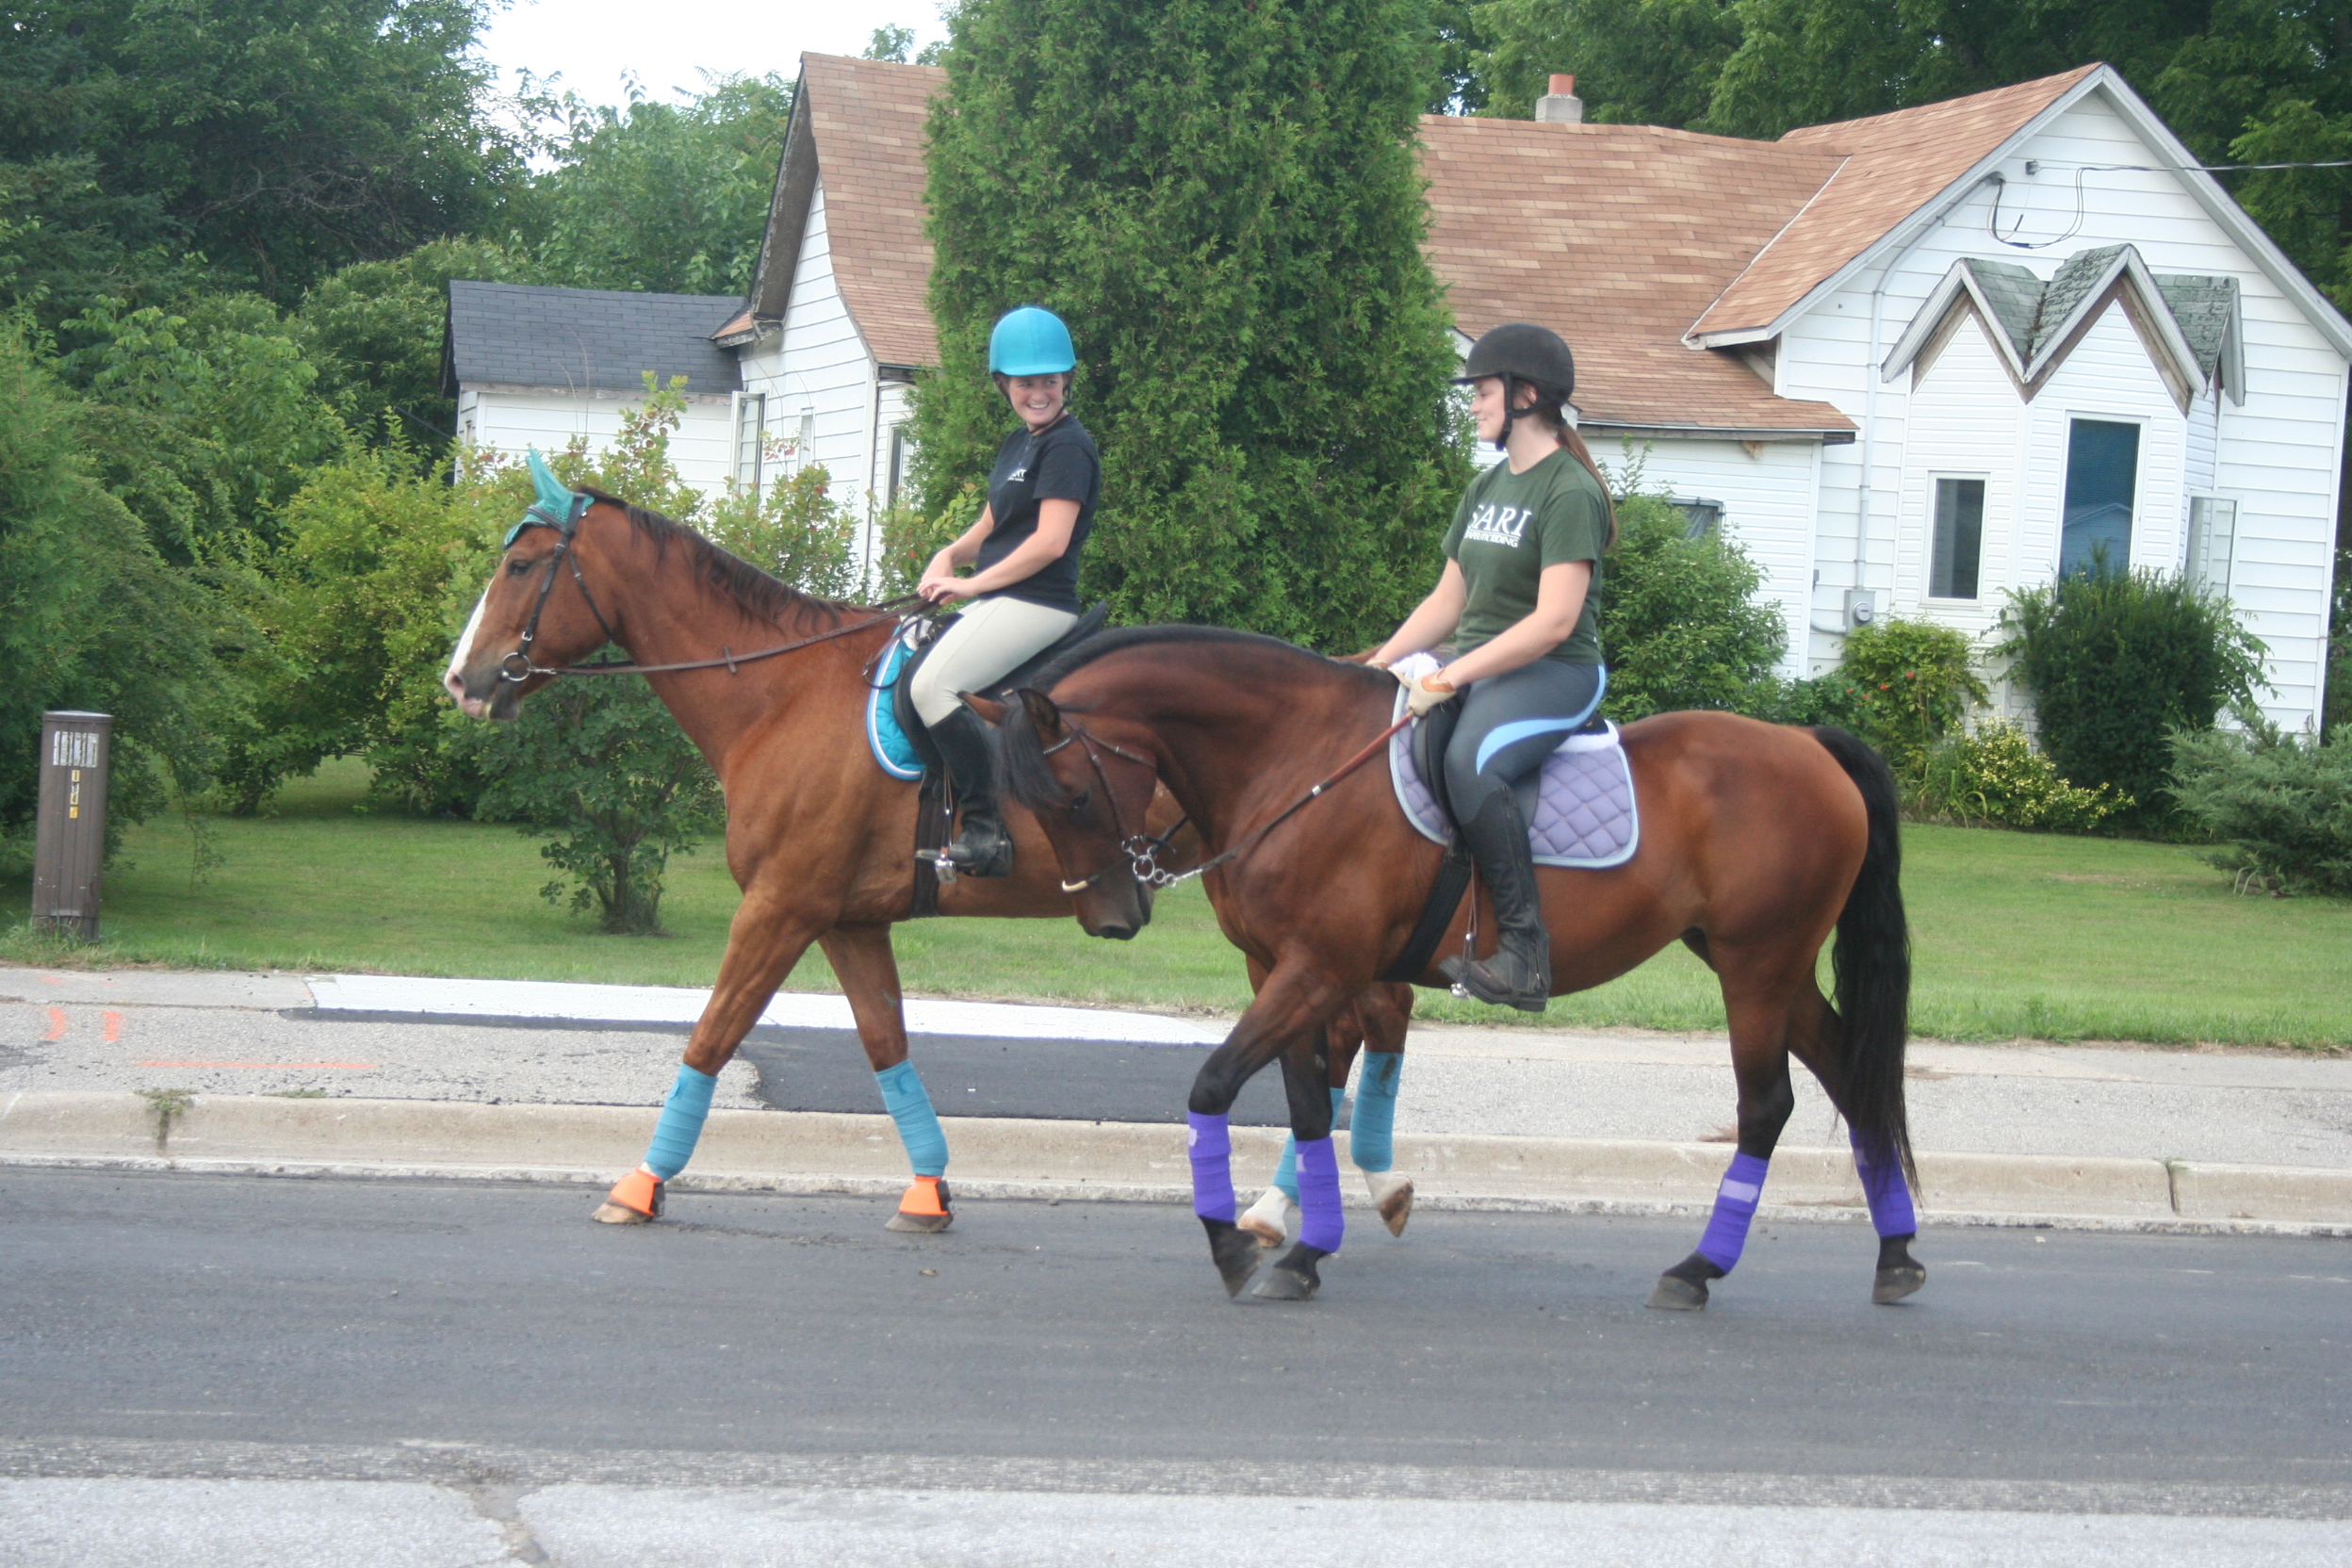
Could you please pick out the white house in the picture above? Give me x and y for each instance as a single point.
(540, 366)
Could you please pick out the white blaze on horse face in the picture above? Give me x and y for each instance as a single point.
(473, 707)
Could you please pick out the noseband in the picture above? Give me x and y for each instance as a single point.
(1143, 852)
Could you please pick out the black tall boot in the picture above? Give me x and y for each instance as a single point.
(983, 848)
(1520, 974)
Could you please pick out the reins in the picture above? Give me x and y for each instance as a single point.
(518, 667)
(1143, 853)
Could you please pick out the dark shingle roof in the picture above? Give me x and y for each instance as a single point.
(587, 339)
(2204, 307)
(2014, 294)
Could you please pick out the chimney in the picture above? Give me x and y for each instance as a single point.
(1560, 106)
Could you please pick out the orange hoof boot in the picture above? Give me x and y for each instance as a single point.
(924, 1208)
(635, 1200)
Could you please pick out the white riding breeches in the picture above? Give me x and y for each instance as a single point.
(987, 642)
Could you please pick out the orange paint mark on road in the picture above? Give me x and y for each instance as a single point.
(57, 1024)
(111, 1024)
(356, 1067)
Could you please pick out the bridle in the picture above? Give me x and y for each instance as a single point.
(1143, 852)
(517, 667)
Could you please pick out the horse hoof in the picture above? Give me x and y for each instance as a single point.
(1271, 1219)
(635, 1200)
(1234, 1250)
(926, 1208)
(1673, 1293)
(1394, 1202)
(1286, 1285)
(1895, 1283)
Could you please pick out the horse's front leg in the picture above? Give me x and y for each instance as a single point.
(1370, 1029)
(868, 970)
(764, 942)
(1291, 1009)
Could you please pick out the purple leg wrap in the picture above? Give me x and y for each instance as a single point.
(1320, 1222)
(1881, 1183)
(1212, 1147)
(1735, 1206)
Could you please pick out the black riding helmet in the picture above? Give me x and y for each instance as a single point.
(1522, 351)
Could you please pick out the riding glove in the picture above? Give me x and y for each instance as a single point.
(1425, 692)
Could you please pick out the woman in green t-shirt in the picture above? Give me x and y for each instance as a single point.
(1519, 596)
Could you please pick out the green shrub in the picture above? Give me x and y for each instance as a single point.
(2116, 661)
(2281, 806)
(1995, 776)
(1912, 682)
(1681, 626)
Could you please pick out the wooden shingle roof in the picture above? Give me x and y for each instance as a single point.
(1891, 165)
(1617, 237)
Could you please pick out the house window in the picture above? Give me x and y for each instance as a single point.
(1958, 547)
(1700, 517)
(2212, 542)
(751, 420)
(2102, 471)
(899, 445)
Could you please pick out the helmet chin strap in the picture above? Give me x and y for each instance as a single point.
(1511, 411)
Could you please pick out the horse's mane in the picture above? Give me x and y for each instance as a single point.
(759, 595)
(1019, 752)
(1120, 639)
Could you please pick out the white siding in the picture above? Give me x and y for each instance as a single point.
(1767, 503)
(513, 420)
(2278, 453)
(819, 376)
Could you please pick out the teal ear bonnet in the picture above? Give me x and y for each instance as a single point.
(557, 507)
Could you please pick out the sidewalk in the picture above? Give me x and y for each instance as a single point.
(1488, 1116)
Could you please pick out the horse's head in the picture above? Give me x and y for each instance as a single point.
(1090, 783)
(538, 610)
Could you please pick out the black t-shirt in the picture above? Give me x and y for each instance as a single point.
(1058, 464)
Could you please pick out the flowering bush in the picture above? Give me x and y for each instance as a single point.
(1912, 682)
(1996, 776)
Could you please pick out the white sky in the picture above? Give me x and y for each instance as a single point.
(668, 45)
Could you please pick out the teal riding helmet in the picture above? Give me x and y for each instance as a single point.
(1030, 340)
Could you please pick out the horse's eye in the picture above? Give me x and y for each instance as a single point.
(1079, 803)
(520, 568)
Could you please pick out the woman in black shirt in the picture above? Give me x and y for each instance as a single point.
(1025, 589)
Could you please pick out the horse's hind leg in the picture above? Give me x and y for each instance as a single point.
(868, 970)
(1760, 1052)
(1813, 1037)
(1386, 1013)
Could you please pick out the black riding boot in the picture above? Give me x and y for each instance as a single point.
(1520, 974)
(983, 848)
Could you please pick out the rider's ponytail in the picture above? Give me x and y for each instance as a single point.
(1553, 415)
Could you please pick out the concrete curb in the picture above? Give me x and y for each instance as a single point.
(1003, 1158)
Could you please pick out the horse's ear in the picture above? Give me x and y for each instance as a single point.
(1042, 713)
(991, 711)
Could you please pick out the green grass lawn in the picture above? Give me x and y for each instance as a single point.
(2017, 935)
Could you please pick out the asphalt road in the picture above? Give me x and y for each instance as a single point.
(197, 1309)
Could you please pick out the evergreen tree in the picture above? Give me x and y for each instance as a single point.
(1222, 201)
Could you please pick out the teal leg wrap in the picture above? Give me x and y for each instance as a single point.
(1286, 1173)
(1371, 1131)
(904, 1096)
(681, 1127)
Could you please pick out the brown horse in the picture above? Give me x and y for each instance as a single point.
(1756, 840)
(820, 839)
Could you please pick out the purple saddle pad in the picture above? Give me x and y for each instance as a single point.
(1585, 814)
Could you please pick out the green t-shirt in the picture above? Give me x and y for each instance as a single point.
(1508, 529)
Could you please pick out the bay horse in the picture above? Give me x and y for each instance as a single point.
(1756, 842)
(820, 839)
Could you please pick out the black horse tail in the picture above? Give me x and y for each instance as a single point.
(1873, 963)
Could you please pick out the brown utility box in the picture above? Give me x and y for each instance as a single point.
(70, 839)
